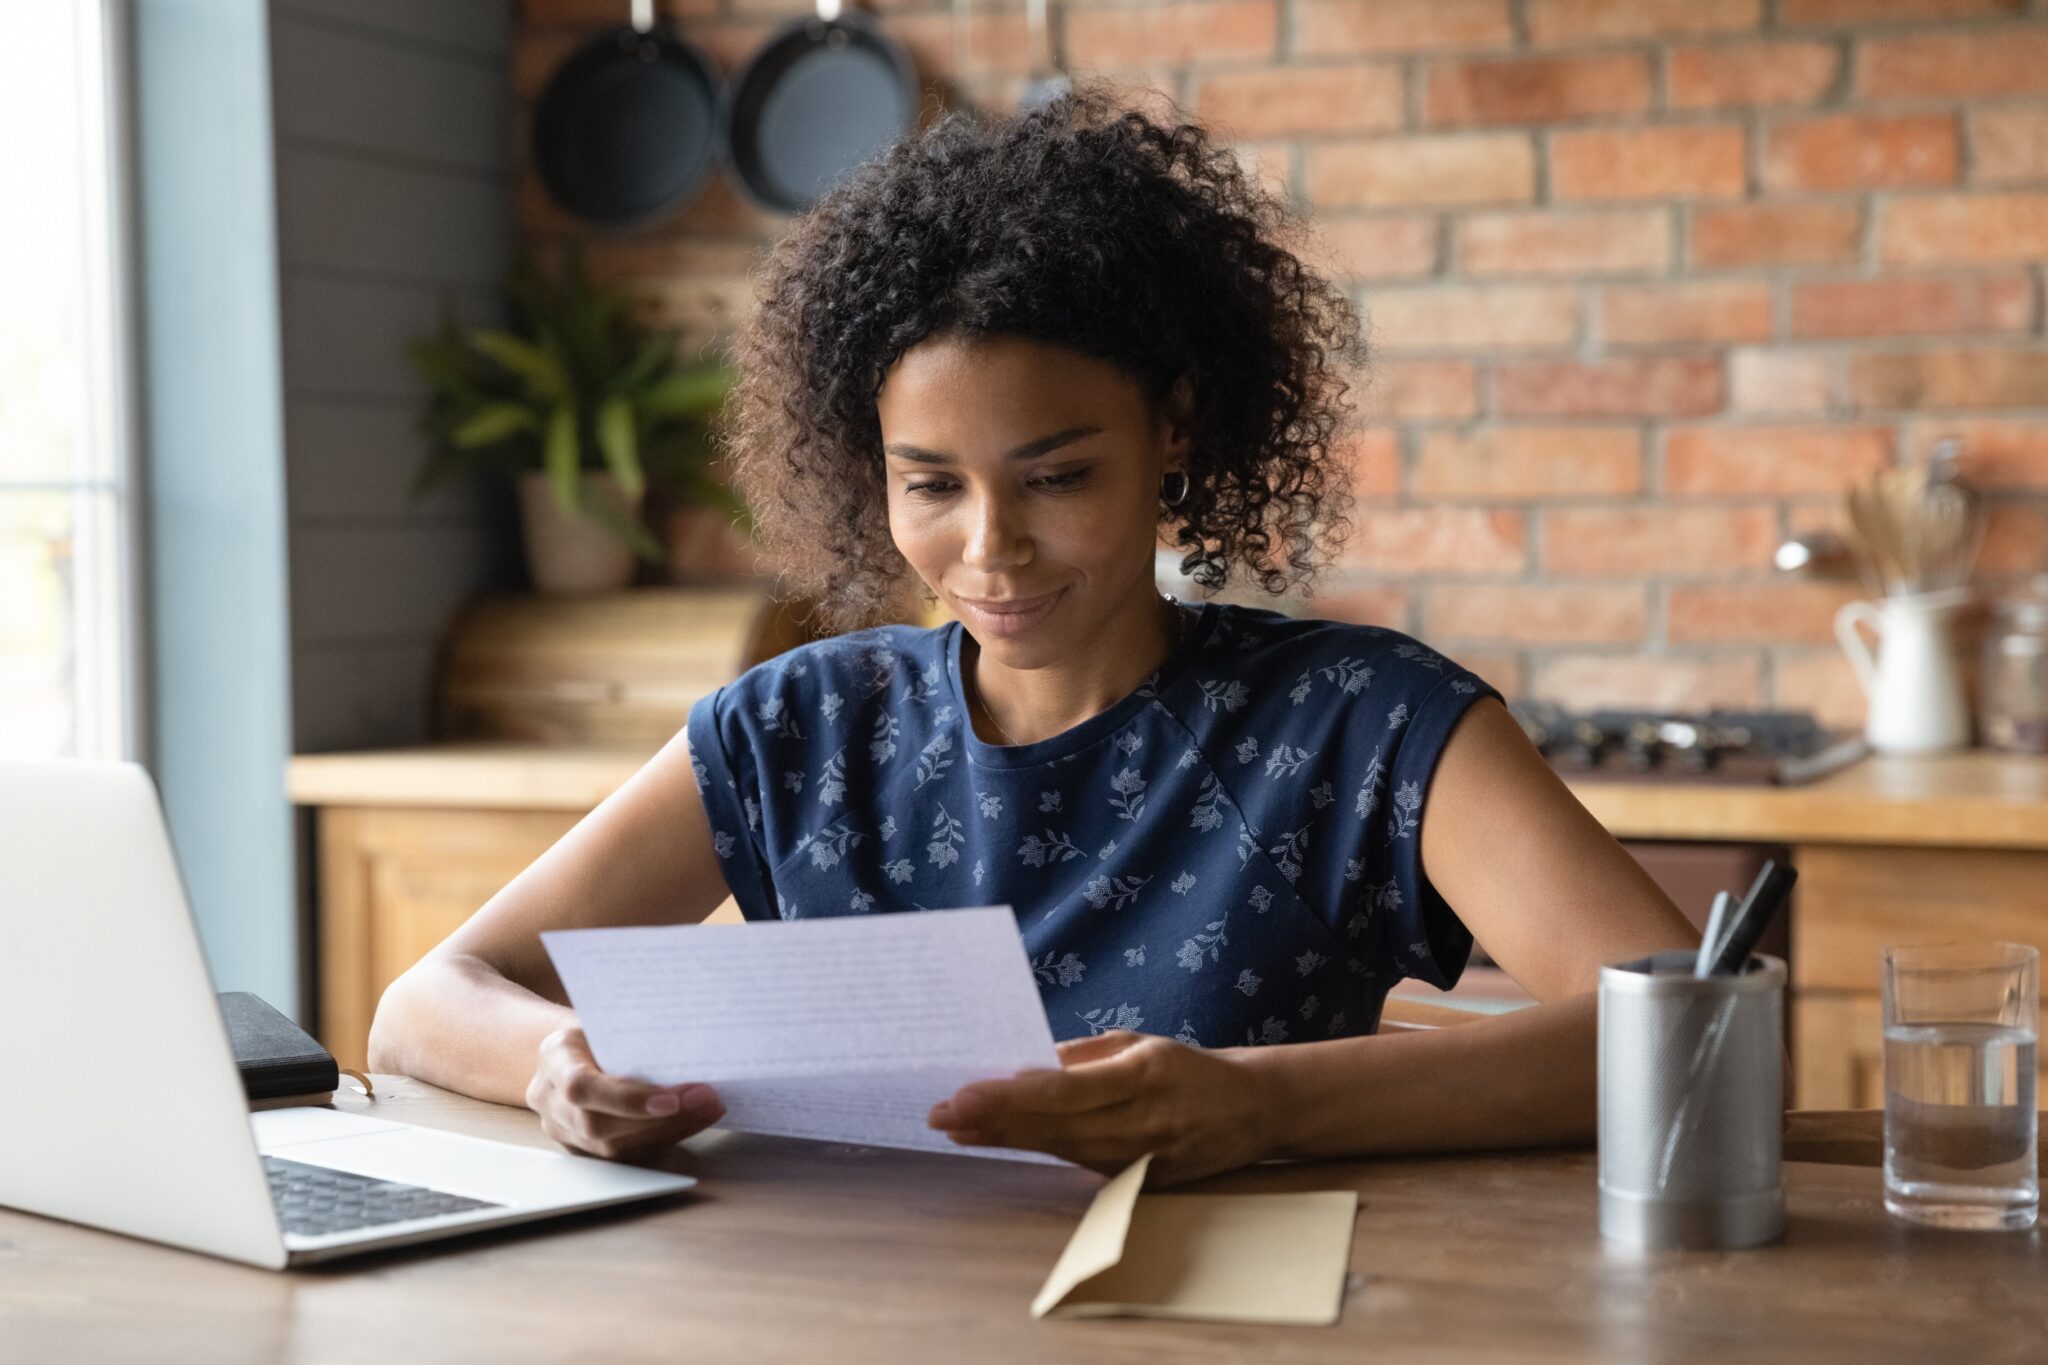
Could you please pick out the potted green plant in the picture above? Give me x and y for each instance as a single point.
(586, 411)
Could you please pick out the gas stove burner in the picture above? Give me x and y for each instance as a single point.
(1731, 746)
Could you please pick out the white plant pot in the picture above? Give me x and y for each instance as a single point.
(572, 553)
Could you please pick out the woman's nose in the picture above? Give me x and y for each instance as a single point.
(997, 538)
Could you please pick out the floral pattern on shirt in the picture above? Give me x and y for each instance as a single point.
(1230, 855)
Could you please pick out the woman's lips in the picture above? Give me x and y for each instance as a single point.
(1009, 615)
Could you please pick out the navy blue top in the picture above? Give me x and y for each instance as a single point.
(1228, 855)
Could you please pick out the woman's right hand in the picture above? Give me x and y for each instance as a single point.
(596, 1114)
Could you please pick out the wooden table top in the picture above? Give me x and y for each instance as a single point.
(817, 1253)
(1975, 799)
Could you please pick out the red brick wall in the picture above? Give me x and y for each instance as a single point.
(1649, 282)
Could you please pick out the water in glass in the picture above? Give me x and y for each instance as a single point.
(1959, 1124)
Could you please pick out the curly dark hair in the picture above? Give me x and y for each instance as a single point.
(1083, 223)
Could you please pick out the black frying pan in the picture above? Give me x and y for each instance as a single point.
(819, 98)
(626, 127)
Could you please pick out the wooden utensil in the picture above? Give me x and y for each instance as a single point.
(1874, 537)
(1915, 530)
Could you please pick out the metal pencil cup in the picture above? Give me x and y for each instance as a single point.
(1691, 1103)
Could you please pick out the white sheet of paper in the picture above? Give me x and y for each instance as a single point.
(847, 1028)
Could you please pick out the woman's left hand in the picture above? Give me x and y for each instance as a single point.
(1119, 1095)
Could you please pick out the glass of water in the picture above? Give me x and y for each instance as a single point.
(1960, 1032)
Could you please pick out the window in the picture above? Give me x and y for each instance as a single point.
(68, 620)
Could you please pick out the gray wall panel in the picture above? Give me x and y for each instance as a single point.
(347, 337)
(357, 581)
(336, 86)
(362, 696)
(338, 211)
(480, 27)
(393, 190)
(357, 457)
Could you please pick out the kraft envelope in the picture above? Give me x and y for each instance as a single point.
(1226, 1257)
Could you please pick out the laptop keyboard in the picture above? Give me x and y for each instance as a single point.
(313, 1200)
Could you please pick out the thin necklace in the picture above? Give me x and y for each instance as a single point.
(1180, 629)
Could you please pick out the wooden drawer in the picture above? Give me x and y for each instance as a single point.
(1852, 903)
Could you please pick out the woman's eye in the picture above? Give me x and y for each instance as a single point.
(928, 489)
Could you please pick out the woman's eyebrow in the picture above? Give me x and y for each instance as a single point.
(1044, 445)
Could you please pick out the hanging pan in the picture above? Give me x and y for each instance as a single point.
(821, 97)
(625, 129)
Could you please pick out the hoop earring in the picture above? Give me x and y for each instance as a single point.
(1177, 482)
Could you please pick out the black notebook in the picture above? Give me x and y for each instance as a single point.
(280, 1062)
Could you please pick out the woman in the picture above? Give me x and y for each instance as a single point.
(1001, 363)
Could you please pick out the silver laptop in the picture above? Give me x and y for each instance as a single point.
(120, 1104)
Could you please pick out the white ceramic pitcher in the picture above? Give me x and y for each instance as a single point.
(1917, 703)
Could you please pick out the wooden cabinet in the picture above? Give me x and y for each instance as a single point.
(1852, 903)
(1837, 1050)
(411, 842)
(396, 880)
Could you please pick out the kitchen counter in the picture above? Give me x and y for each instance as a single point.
(475, 776)
(1975, 799)
(412, 841)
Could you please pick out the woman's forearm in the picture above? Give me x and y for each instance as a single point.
(1522, 1079)
(458, 1023)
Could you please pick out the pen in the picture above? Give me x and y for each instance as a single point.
(1717, 920)
(1748, 921)
(1736, 910)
